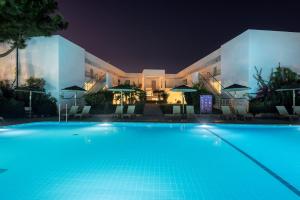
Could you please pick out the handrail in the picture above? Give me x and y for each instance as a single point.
(208, 73)
(59, 112)
(203, 78)
(66, 112)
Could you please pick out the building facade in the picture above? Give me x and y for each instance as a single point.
(62, 63)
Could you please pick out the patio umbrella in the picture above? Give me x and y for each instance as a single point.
(183, 89)
(236, 88)
(121, 88)
(74, 89)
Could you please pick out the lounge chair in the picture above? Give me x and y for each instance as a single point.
(227, 113)
(28, 111)
(130, 111)
(284, 113)
(72, 112)
(176, 111)
(190, 111)
(85, 112)
(242, 112)
(297, 110)
(118, 111)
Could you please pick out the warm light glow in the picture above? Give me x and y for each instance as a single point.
(104, 124)
(3, 129)
(89, 85)
(174, 97)
(216, 85)
(205, 126)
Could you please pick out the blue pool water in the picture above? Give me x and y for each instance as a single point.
(147, 161)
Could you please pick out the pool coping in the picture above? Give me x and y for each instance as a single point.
(150, 122)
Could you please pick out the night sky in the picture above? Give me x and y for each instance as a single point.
(171, 35)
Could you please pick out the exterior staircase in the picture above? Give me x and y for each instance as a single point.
(221, 99)
(94, 85)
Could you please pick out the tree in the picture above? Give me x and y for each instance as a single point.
(278, 78)
(20, 20)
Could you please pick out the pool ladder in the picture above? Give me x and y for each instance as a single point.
(59, 113)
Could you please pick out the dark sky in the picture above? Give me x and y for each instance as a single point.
(171, 35)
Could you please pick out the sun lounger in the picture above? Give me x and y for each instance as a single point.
(242, 112)
(130, 111)
(118, 111)
(85, 112)
(176, 111)
(72, 112)
(297, 110)
(190, 111)
(284, 113)
(227, 113)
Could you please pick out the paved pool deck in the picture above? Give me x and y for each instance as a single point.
(111, 118)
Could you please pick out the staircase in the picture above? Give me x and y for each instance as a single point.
(221, 99)
(94, 85)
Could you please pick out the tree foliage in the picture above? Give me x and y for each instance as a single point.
(12, 102)
(21, 20)
(99, 98)
(267, 96)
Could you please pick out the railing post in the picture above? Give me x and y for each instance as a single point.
(58, 112)
(66, 112)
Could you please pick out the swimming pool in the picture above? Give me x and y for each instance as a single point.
(149, 161)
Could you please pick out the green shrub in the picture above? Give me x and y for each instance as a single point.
(12, 102)
(257, 107)
(45, 105)
(106, 108)
(166, 108)
(11, 108)
(267, 96)
(42, 103)
(139, 108)
(102, 97)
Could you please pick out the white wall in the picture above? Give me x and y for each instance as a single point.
(71, 66)
(235, 61)
(268, 48)
(39, 59)
(263, 49)
(58, 61)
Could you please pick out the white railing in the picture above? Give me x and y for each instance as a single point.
(59, 113)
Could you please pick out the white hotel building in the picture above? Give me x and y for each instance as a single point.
(62, 63)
